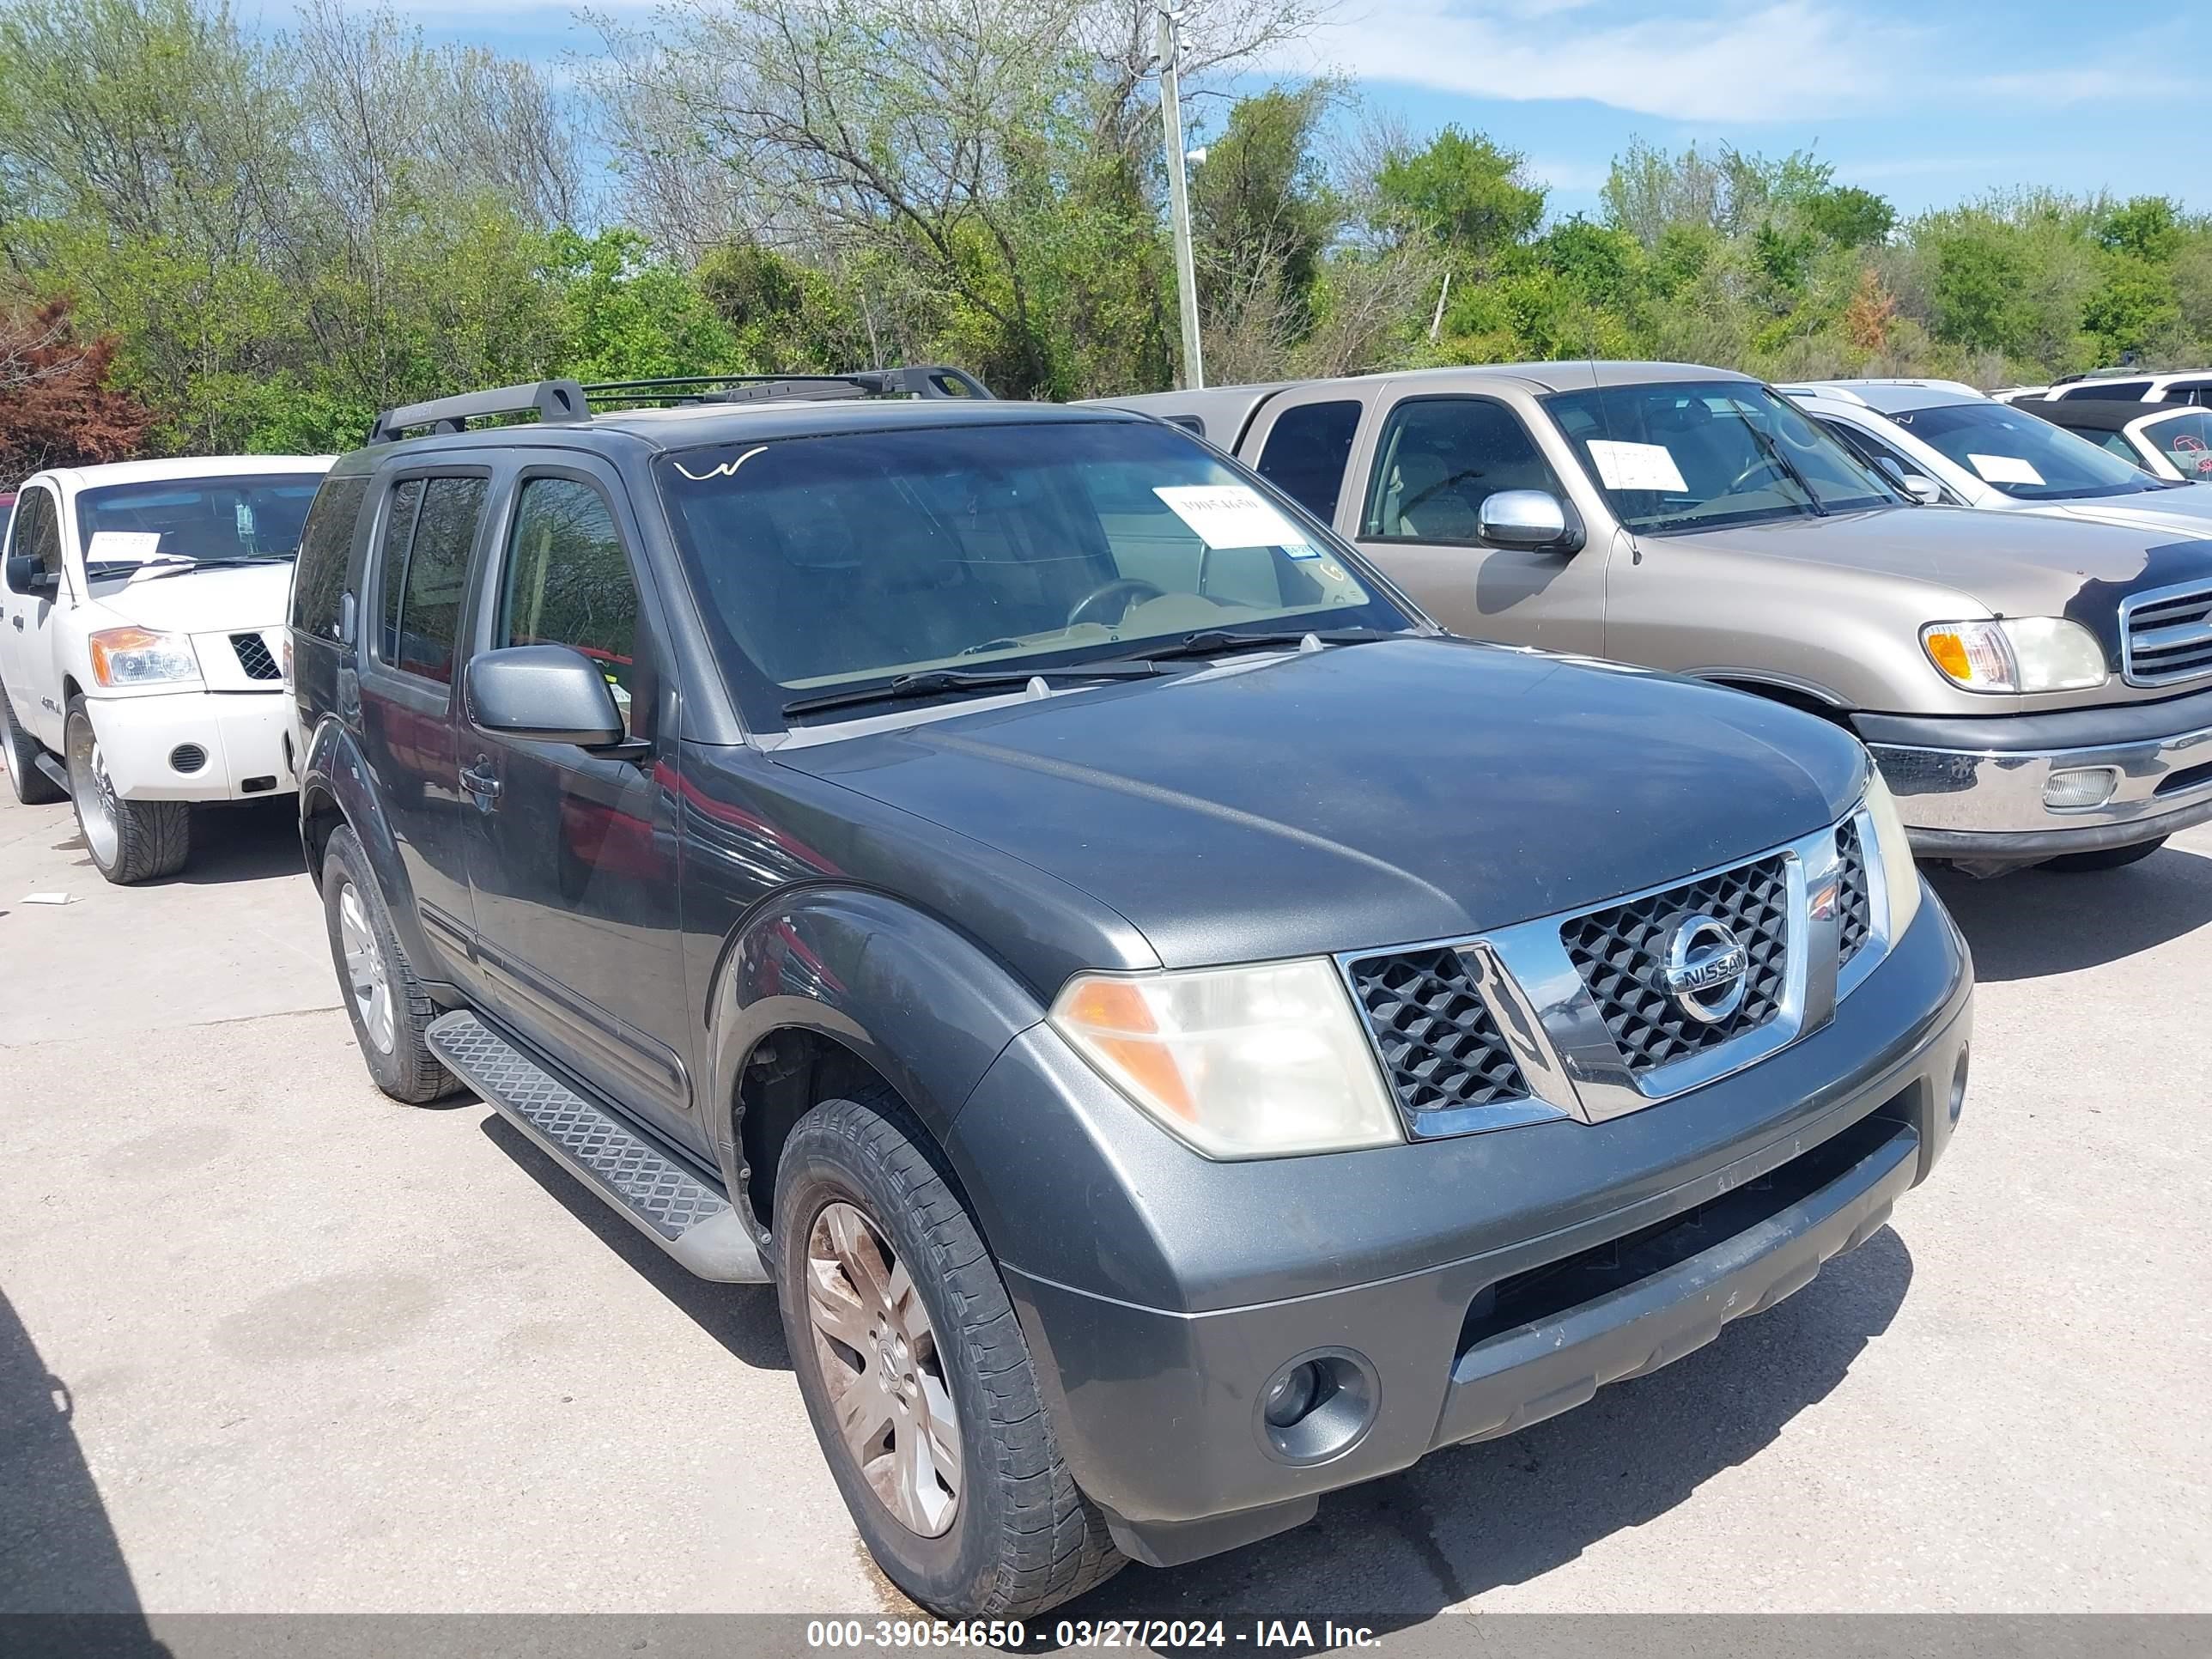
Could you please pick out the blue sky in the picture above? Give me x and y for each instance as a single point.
(1926, 104)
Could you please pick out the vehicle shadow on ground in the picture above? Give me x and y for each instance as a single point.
(250, 841)
(742, 1318)
(1461, 1522)
(2034, 923)
(58, 1551)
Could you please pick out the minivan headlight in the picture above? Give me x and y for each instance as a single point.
(1900, 876)
(1239, 1062)
(139, 656)
(2019, 653)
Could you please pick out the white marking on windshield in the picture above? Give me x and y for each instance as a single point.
(727, 469)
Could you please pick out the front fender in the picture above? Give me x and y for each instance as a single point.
(921, 1003)
(334, 772)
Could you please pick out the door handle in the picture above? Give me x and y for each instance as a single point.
(481, 780)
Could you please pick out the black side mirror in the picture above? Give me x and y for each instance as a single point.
(26, 575)
(547, 693)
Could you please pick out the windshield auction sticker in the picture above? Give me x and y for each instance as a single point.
(1233, 515)
(1636, 466)
(123, 544)
(2004, 468)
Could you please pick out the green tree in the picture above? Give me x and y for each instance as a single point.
(1465, 190)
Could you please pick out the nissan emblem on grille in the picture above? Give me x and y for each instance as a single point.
(1706, 969)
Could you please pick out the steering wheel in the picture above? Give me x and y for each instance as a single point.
(1762, 464)
(1130, 590)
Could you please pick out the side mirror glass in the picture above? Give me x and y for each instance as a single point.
(546, 693)
(1523, 518)
(26, 575)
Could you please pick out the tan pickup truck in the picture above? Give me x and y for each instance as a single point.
(2035, 690)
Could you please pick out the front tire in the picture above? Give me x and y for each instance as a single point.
(2105, 858)
(130, 840)
(33, 787)
(917, 1376)
(390, 1009)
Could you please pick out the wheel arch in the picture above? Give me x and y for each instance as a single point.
(335, 791)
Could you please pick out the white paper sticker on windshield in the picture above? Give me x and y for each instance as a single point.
(1233, 515)
(123, 544)
(2003, 469)
(1636, 466)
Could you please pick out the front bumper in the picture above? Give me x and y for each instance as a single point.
(1975, 788)
(239, 734)
(1477, 1285)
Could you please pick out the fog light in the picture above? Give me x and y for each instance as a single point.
(187, 757)
(1291, 1395)
(1959, 1086)
(1319, 1406)
(2080, 787)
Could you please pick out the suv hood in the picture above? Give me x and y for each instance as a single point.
(200, 601)
(2186, 510)
(1365, 795)
(2019, 564)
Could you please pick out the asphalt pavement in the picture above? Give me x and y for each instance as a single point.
(270, 1341)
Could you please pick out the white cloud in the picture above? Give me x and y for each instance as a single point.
(1786, 60)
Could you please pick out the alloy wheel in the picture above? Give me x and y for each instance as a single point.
(368, 980)
(93, 792)
(883, 1371)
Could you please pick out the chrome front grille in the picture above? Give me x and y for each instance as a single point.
(1440, 1044)
(255, 660)
(1603, 1011)
(2166, 635)
(1621, 955)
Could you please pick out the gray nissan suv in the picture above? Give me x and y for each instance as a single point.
(1176, 1034)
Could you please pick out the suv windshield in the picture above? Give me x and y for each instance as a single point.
(1697, 454)
(2022, 454)
(834, 561)
(253, 518)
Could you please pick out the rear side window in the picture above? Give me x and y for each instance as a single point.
(431, 526)
(325, 548)
(1307, 452)
(38, 530)
(569, 583)
(2124, 391)
(1440, 459)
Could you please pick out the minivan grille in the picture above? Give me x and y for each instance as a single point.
(254, 658)
(2165, 637)
(1440, 1044)
(1620, 953)
(1854, 904)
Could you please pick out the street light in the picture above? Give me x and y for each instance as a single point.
(1171, 47)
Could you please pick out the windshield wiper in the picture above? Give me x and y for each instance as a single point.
(932, 682)
(1774, 454)
(1219, 642)
(178, 565)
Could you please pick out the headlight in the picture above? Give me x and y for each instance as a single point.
(1240, 1062)
(2020, 653)
(1900, 876)
(138, 656)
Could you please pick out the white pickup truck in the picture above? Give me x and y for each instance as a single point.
(142, 641)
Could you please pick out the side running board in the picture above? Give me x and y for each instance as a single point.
(685, 1214)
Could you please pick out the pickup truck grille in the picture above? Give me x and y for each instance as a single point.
(254, 657)
(2166, 635)
(1854, 903)
(1621, 953)
(1440, 1044)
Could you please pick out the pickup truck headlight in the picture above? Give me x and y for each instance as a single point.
(1239, 1062)
(138, 656)
(1900, 876)
(2019, 653)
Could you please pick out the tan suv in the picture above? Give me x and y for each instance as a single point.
(2035, 690)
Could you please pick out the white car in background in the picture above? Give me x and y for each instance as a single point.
(1943, 441)
(2191, 386)
(142, 641)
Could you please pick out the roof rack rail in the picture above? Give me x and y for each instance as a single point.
(551, 401)
(918, 380)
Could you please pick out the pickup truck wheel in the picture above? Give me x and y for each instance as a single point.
(2106, 858)
(917, 1376)
(388, 1006)
(33, 787)
(130, 840)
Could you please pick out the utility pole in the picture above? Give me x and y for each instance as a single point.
(1170, 51)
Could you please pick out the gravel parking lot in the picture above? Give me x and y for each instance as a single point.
(270, 1341)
